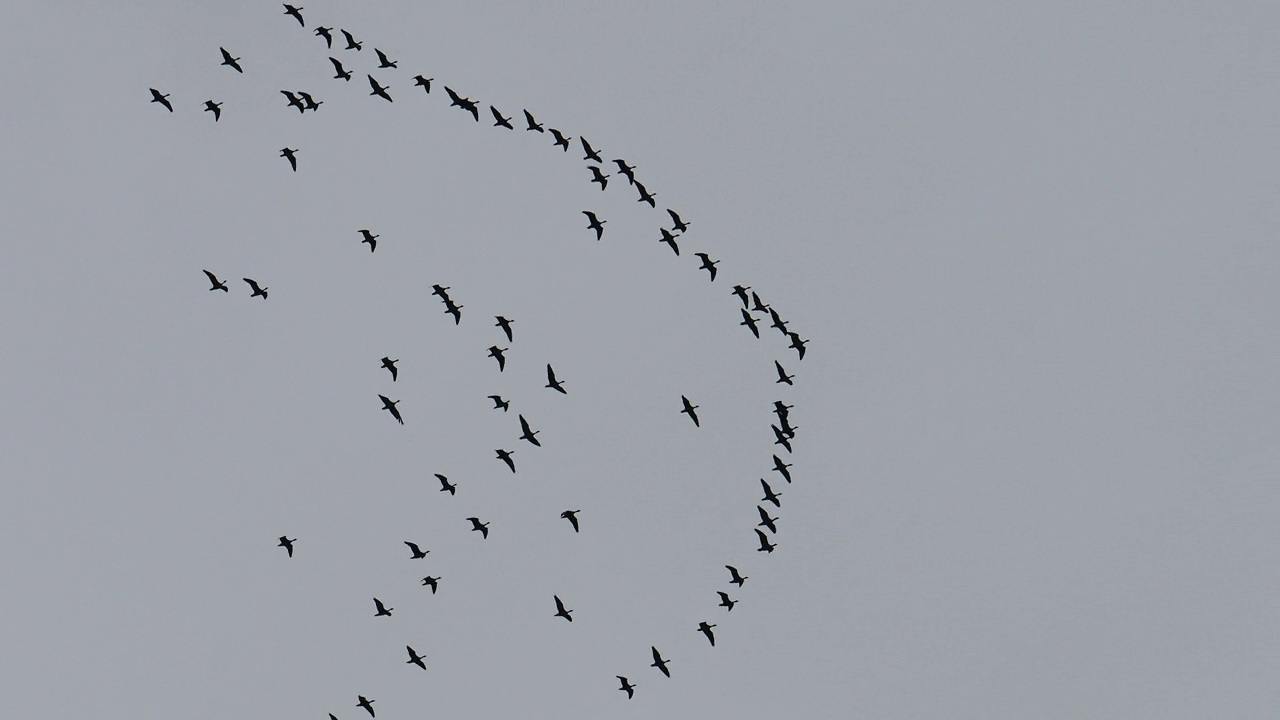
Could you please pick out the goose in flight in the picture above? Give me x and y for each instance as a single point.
(777, 321)
(757, 305)
(750, 322)
(725, 602)
(467, 104)
(505, 456)
(431, 582)
(783, 377)
(528, 433)
(451, 308)
(670, 240)
(158, 97)
(416, 659)
(628, 171)
(736, 578)
(324, 32)
(708, 264)
(424, 82)
(379, 90)
(560, 609)
(287, 544)
(658, 662)
(765, 545)
(390, 406)
(741, 292)
(553, 383)
(296, 12)
(257, 291)
(499, 121)
(689, 410)
(231, 62)
(366, 704)
(781, 468)
(343, 73)
(561, 140)
(595, 223)
(769, 494)
(217, 284)
(213, 107)
(532, 124)
(572, 517)
(626, 686)
(766, 521)
(782, 438)
(705, 628)
(383, 62)
(382, 610)
(679, 224)
(390, 365)
(499, 403)
(591, 154)
(446, 486)
(495, 352)
(294, 100)
(418, 553)
(351, 41)
(505, 324)
(371, 239)
(598, 177)
(645, 195)
(293, 160)
(482, 528)
(310, 102)
(797, 343)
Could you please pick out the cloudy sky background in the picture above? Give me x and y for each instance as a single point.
(1034, 251)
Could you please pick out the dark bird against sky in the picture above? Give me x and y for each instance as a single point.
(496, 353)
(343, 74)
(417, 552)
(572, 517)
(157, 97)
(233, 63)
(390, 365)
(325, 33)
(390, 406)
(505, 456)
(446, 486)
(553, 383)
(383, 61)
(287, 544)
(705, 628)
(296, 12)
(217, 284)
(293, 160)
(352, 44)
(215, 108)
(505, 324)
(257, 291)
(381, 610)
(659, 663)
(561, 611)
(689, 410)
(477, 526)
(416, 659)
(734, 577)
(528, 433)
(379, 90)
(595, 223)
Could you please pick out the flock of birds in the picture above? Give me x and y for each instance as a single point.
(753, 311)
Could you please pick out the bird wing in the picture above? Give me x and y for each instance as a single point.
(213, 279)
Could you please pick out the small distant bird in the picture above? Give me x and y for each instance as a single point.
(383, 62)
(416, 659)
(505, 324)
(289, 153)
(705, 629)
(505, 456)
(217, 284)
(797, 343)
(287, 544)
(626, 686)
(591, 154)
(499, 121)
(783, 438)
(560, 609)
(379, 90)
(725, 602)
(645, 195)
(741, 292)
(783, 377)
(213, 107)
(351, 42)
(157, 97)
(766, 521)
(658, 662)
(528, 433)
(366, 704)
(533, 124)
(310, 102)
(572, 517)
(595, 223)
(476, 525)
(296, 12)
(324, 33)
(750, 322)
(495, 352)
(257, 291)
(769, 494)
(708, 264)
(552, 382)
(765, 545)
(454, 310)
(598, 177)
(670, 240)
(382, 610)
(294, 100)
(231, 62)
(371, 239)
(390, 406)
(446, 486)
(757, 305)
(626, 170)
(343, 74)
(499, 403)
(418, 553)
(440, 292)
(777, 321)
(734, 577)
(678, 224)
(424, 82)
(467, 104)
(781, 467)
(689, 410)
(430, 582)
(390, 365)
(782, 410)
(561, 140)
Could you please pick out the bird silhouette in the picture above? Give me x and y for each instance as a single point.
(424, 82)
(765, 545)
(595, 223)
(451, 308)
(725, 602)
(213, 107)
(440, 292)
(257, 291)
(678, 224)
(527, 433)
(324, 32)
(561, 140)
(708, 264)
(294, 100)
(572, 517)
(781, 468)
(705, 629)
(757, 305)
(782, 410)
(379, 90)
(505, 456)
(157, 97)
(495, 352)
(418, 553)
(670, 240)
(552, 382)
(734, 577)
(310, 102)
(293, 160)
(777, 321)
(560, 609)
(499, 121)
(626, 686)
(217, 284)
(750, 322)
(366, 704)
(505, 324)
(431, 582)
(467, 104)
(482, 528)
(591, 154)
(390, 365)
(797, 343)
(383, 62)
(382, 610)
(769, 494)
(343, 74)
(351, 42)
(287, 544)
(782, 438)
(627, 170)
(741, 292)
(658, 662)
(532, 124)
(645, 195)
(598, 177)
(296, 12)
(446, 486)
(783, 377)
(231, 62)
(416, 659)
(499, 403)
(689, 410)
(371, 239)
(766, 521)
(390, 406)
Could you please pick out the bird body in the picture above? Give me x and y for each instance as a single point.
(626, 687)
(750, 322)
(424, 82)
(294, 101)
(553, 383)
(505, 324)
(599, 178)
(659, 663)
(416, 659)
(670, 240)
(217, 284)
(679, 224)
(370, 239)
(797, 343)
(296, 12)
(351, 41)
(765, 545)
(382, 610)
(309, 102)
(383, 62)
(446, 486)
(233, 63)
(769, 494)
(689, 410)
(627, 170)
(532, 124)
(708, 264)
(782, 438)
(528, 433)
(467, 104)
(293, 160)
(495, 352)
(257, 291)
(561, 140)
(325, 33)
(158, 97)
(366, 704)
(561, 611)
(505, 456)
(572, 517)
(591, 154)
(595, 223)
(343, 73)
(705, 628)
(390, 365)
(499, 403)
(287, 544)
(418, 553)
(766, 521)
(645, 195)
(781, 468)
(725, 602)
(741, 292)
(430, 582)
(379, 90)
(499, 121)
(215, 108)
(734, 577)
(477, 526)
(390, 406)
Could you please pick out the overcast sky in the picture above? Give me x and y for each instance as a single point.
(1033, 249)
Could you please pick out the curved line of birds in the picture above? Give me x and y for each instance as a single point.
(752, 305)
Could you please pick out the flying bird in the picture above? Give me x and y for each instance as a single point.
(769, 494)
(797, 343)
(379, 90)
(670, 240)
(430, 582)
(390, 406)
(383, 62)
(561, 140)
(476, 525)
(390, 365)
(626, 170)
(527, 433)
(343, 74)
(783, 377)
(294, 100)
(705, 629)
(505, 456)
(287, 544)
(416, 659)
(533, 124)
(757, 305)
(213, 107)
(505, 324)
(440, 292)
(689, 410)
(257, 291)
(467, 104)
(366, 704)
(781, 467)
(371, 239)
(658, 662)
(351, 42)
(678, 224)
(645, 195)
(310, 102)
(708, 264)
(324, 32)
(782, 410)
(777, 321)
(495, 352)
(750, 322)
(572, 517)
(765, 545)
(296, 12)
(499, 121)
(499, 403)
(783, 439)
(741, 292)
(725, 602)
(157, 97)
(591, 154)
(627, 686)
(560, 609)
(293, 161)
(230, 61)
(766, 521)
(552, 382)
(734, 577)
(425, 82)
(446, 486)
(217, 284)
(455, 310)
(598, 177)
(418, 553)
(595, 223)
(382, 610)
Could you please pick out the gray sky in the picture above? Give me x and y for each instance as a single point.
(1035, 470)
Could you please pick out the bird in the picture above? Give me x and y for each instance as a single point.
(324, 32)
(446, 486)
(158, 97)
(390, 364)
(670, 240)
(797, 343)
(769, 494)
(777, 321)
(765, 545)
(741, 292)
(705, 629)
(310, 102)
(296, 12)
(416, 659)
(645, 195)
(499, 403)
(561, 140)
(256, 290)
(527, 433)
(734, 577)
(627, 170)
(725, 602)
(658, 662)
(454, 310)
(467, 104)
(786, 427)
(766, 521)
(287, 544)
(505, 456)
(495, 352)
(425, 82)
(598, 177)
(757, 305)
(533, 124)
(229, 61)
(783, 439)
(343, 74)
(213, 107)
(431, 582)
(371, 239)
(505, 324)
(708, 264)
(552, 382)
(783, 377)
(440, 292)
(781, 467)
(418, 553)
(595, 223)
(351, 42)
(591, 154)
(689, 410)
(678, 223)
(499, 121)
(293, 161)
(382, 610)
(782, 410)
(482, 527)
(626, 686)
(294, 100)
(750, 322)
(217, 284)
(572, 517)
(366, 704)
(560, 609)
(379, 90)
(383, 62)
(390, 406)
